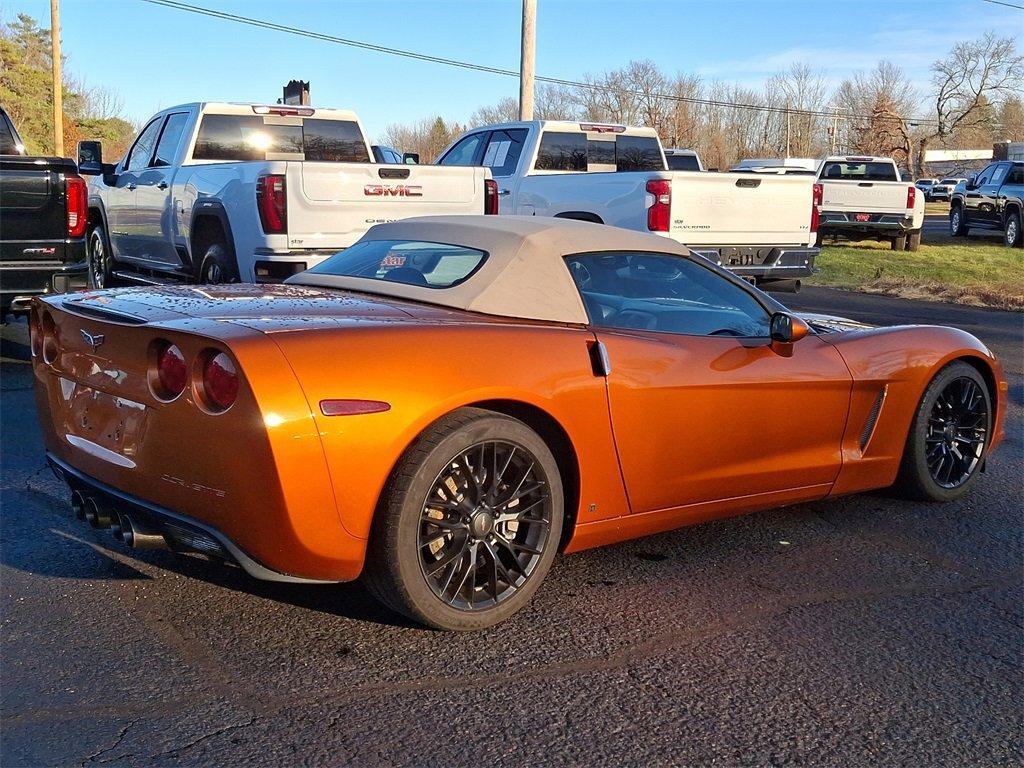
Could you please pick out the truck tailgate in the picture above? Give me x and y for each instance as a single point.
(741, 209)
(865, 196)
(331, 205)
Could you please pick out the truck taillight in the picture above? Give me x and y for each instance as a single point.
(272, 204)
(659, 215)
(816, 195)
(76, 205)
(911, 196)
(490, 197)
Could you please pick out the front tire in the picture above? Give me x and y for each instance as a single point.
(948, 436)
(98, 258)
(469, 523)
(1012, 236)
(957, 225)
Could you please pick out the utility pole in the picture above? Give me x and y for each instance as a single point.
(58, 88)
(528, 55)
(787, 129)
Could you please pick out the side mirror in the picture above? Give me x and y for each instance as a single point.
(411, 158)
(90, 158)
(787, 329)
(972, 183)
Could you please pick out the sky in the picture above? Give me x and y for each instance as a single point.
(155, 57)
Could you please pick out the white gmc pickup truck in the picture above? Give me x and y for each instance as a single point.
(214, 192)
(761, 227)
(863, 198)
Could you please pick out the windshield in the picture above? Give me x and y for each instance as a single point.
(951, 181)
(852, 171)
(430, 265)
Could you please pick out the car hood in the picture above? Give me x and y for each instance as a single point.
(831, 323)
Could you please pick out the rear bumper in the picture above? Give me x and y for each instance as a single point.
(21, 280)
(887, 224)
(182, 533)
(768, 263)
(276, 267)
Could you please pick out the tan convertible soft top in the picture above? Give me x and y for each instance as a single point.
(524, 275)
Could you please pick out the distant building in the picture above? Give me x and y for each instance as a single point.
(955, 162)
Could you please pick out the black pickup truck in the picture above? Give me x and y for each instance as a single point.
(994, 199)
(42, 223)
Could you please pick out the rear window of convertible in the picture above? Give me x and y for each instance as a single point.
(412, 262)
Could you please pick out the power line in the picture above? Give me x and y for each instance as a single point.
(223, 15)
(1008, 5)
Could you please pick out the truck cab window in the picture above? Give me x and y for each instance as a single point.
(167, 147)
(463, 153)
(562, 152)
(142, 150)
(503, 150)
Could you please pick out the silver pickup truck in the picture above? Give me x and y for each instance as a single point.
(215, 192)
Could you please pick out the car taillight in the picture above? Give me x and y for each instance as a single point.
(272, 204)
(659, 214)
(911, 196)
(76, 205)
(171, 372)
(490, 197)
(816, 196)
(220, 381)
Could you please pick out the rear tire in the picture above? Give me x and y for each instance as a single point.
(99, 259)
(940, 461)
(439, 523)
(1012, 236)
(957, 225)
(914, 240)
(898, 243)
(218, 265)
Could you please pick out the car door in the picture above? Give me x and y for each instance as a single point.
(502, 152)
(119, 198)
(154, 212)
(972, 197)
(704, 407)
(988, 208)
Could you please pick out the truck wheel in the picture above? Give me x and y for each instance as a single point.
(914, 240)
(98, 258)
(899, 243)
(957, 226)
(218, 265)
(1012, 237)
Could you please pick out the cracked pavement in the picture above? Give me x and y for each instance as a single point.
(855, 631)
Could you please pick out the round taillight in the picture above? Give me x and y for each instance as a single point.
(220, 381)
(171, 372)
(51, 338)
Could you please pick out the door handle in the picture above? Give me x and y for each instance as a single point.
(132, 187)
(504, 192)
(162, 185)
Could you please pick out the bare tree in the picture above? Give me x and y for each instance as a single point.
(428, 137)
(973, 74)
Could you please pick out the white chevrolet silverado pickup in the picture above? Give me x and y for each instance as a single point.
(214, 192)
(761, 227)
(864, 198)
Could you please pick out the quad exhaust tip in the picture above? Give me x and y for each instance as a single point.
(100, 515)
(137, 536)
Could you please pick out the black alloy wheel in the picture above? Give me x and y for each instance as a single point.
(484, 525)
(948, 436)
(957, 432)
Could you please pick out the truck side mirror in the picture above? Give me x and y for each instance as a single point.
(411, 158)
(972, 183)
(90, 158)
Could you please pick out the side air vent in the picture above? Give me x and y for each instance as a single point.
(869, 424)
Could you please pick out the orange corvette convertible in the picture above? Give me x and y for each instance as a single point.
(443, 406)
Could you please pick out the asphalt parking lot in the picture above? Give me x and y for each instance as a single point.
(857, 631)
